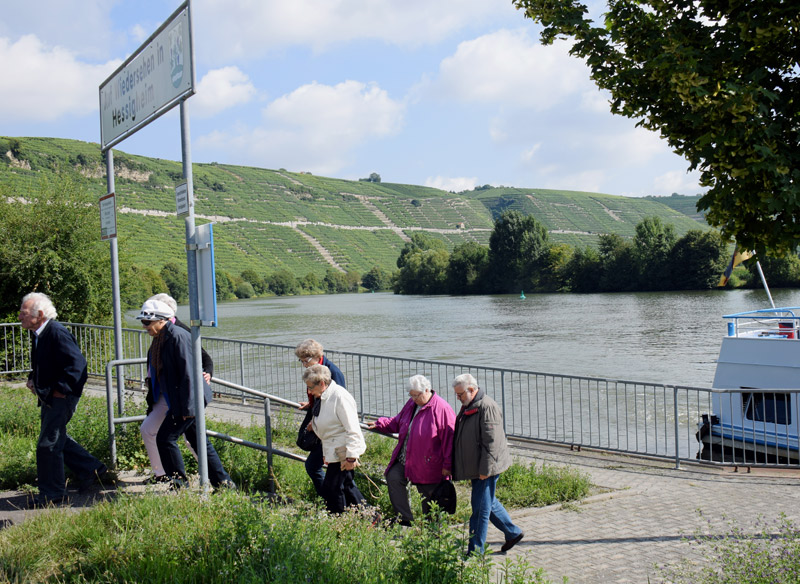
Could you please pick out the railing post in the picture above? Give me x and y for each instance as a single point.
(268, 430)
(503, 399)
(677, 426)
(241, 363)
(112, 439)
(360, 390)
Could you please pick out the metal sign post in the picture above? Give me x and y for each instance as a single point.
(158, 76)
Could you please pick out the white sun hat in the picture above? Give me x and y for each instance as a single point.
(155, 310)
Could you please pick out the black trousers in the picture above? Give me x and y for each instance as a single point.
(339, 489)
(167, 442)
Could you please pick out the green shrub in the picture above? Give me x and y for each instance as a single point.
(770, 555)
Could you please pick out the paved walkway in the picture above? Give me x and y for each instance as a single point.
(640, 522)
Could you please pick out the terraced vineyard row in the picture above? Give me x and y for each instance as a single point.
(268, 220)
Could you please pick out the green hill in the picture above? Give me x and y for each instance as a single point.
(276, 219)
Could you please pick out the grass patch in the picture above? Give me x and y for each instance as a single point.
(770, 555)
(529, 486)
(229, 538)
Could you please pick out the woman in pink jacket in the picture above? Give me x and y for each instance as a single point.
(423, 455)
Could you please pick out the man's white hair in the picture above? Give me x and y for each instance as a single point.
(466, 381)
(41, 302)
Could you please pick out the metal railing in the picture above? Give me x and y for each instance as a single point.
(267, 447)
(630, 417)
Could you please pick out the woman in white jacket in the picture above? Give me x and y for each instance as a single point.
(335, 421)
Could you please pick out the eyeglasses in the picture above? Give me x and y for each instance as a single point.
(416, 394)
(306, 361)
(147, 323)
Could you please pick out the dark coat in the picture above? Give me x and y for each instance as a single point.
(207, 366)
(57, 363)
(176, 373)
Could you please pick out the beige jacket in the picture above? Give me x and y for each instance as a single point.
(337, 424)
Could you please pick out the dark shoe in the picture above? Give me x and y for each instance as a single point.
(512, 542)
(155, 480)
(227, 485)
(177, 483)
(97, 477)
(43, 503)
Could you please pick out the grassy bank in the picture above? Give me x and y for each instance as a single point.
(233, 538)
(241, 537)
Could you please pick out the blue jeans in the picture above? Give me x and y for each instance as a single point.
(171, 458)
(485, 508)
(315, 468)
(56, 448)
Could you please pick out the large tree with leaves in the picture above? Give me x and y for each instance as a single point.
(517, 247)
(50, 242)
(719, 80)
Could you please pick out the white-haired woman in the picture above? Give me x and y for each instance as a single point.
(423, 455)
(336, 423)
(310, 352)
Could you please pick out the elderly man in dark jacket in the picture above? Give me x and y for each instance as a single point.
(480, 454)
(57, 378)
(169, 366)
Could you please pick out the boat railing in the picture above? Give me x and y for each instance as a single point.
(631, 417)
(780, 323)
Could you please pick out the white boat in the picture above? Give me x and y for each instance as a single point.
(761, 352)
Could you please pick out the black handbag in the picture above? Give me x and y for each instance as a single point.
(444, 495)
(306, 439)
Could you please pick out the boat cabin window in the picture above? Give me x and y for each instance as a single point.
(772, 408)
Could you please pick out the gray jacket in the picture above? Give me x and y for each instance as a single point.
(479, 442)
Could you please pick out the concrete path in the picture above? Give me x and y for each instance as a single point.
(640, 522)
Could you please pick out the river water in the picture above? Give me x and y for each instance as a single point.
(670, 338)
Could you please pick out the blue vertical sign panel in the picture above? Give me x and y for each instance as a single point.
(206, 276)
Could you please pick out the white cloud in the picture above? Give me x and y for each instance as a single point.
(455, 184)
(43, 84)
(315, 128)
(633, 147)
(596, 100)
(677, 181)
(249, 28)
(529, 155)
(139, 34)
(509, 67)
(587, 180)
(81, 26)
(221, 89)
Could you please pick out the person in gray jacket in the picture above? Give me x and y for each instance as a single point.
(480, 454)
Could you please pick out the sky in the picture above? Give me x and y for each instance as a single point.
(451, 94)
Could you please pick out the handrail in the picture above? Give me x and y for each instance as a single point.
(268, 398)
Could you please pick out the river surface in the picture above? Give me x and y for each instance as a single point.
(657, 337)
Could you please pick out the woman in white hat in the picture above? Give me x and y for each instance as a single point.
(170, 377)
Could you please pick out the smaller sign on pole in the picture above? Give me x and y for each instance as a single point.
(206, 274)
(183, 202)
(108, 217)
